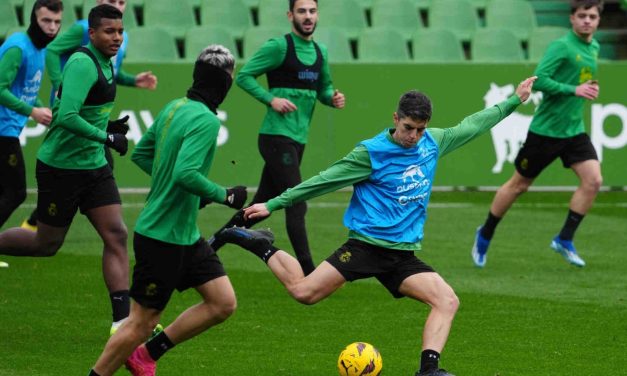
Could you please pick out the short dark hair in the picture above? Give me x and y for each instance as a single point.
(292, 2)
(414, 105)
(585, 4)
(97, 13)
(54, 6)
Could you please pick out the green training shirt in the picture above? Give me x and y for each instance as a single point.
(68, 42)
(77, 132)
(568, 62)
(9, 66)
(356, 167)
(177, 152)
(270, 56)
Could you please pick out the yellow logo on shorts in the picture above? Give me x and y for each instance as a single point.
(345, 257)
(151, 290)
(12, 160)
(52, 210)
(524, 164)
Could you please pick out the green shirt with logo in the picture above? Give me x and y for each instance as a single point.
(568, 62)
(78, 131)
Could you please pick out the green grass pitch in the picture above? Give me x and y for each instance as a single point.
(527, 313)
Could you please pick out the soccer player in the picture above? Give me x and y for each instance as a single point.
(72, 172)
(177, 152)
(298, 74)
(69, 41)
(21, 69)
(566, 76)
(392, 174)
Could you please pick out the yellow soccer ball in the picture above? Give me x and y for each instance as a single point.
(360, 359)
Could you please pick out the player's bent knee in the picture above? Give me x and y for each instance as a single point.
(48, 248)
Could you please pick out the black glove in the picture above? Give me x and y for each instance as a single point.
(118, 126)
(236, 197)
(118, 142)
(204, 202)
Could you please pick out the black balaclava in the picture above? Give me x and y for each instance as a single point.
(37, 36)
(211, 84)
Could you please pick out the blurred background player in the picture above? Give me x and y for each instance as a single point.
(177, 152)
(72, 172)
(566, 76)
(65, 44)
(298, 75)
(22, 58)
(385, 217)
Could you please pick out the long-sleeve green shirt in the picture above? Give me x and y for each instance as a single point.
(77, 131)
(270, 56)
(568, 62)
(66, 43)
(177, 152)
(9, 66)
(355, 167)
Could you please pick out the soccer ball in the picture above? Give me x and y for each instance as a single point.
(360, 358)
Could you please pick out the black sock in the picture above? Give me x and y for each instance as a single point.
(570, 226)
(93, 373)
(429, 360)
(159, 345)
(121, 304)
(32, 220)
(265, 253)
(487, 231)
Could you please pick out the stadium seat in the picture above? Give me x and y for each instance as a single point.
(436, 46)
(611, 41)
(197, 38)
(422, 4)
(458, 16)
(232, 14)
(176, 19)
(337, 44)
(8, 15)
(255, 37)
(400, 15)
(515, 15)
(480, 4)
(151, 44)
(496, 46)
(273, 13)
(541, 37)
(344, 14)
(552, 12)
(382, 45)
(365, 4)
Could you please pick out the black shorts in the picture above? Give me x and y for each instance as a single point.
(358, 260)
(61, 192)
(539, 151)
(161, 267)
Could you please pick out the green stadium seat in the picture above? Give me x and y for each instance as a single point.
(458, 16)
(255, 37)
(496, 46)
(422, 4)
(251, 3)
(400, 15)
(273, 13)
(541, 37)
(344, 14)
(151, 44)
(480, 4)
(611, 42)
(232, 14)
(515, 15)
(176, 19)
(365, 4)
(382, 45)
(436, 46)
(197, 38)
(8, 15)
(337, 43)
(552, 12)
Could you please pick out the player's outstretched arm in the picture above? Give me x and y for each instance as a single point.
(524, 88)
(256, 211)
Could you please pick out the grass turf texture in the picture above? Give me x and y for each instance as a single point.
(528, 312)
